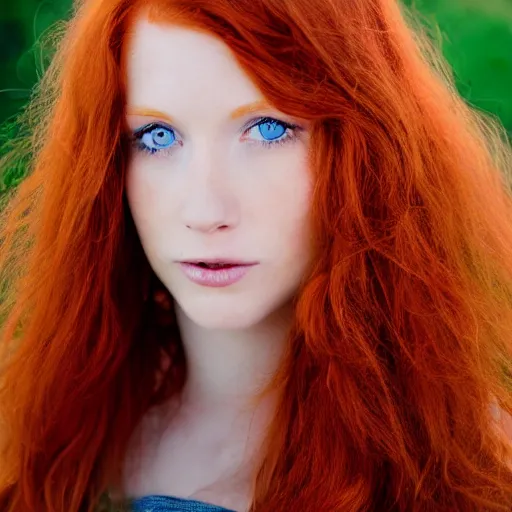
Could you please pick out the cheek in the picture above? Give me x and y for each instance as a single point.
(284, 204)
(281, 177)
(143, 199)
(137, 191)
(294, 229)
(148, 188)
(290, 192)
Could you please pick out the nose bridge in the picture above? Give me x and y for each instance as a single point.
(209, 203)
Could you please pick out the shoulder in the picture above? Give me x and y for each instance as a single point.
(506, 423)
(502, 418)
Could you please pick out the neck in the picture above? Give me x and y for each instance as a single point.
(229, 367)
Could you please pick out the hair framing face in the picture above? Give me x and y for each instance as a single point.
(401, 334)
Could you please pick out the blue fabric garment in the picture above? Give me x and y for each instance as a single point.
(172, 504)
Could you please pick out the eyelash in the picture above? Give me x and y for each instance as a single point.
(288, 137)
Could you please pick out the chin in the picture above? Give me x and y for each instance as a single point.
(223, 313)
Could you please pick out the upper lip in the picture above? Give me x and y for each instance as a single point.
(212, 261)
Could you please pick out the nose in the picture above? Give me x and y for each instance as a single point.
(209, 204)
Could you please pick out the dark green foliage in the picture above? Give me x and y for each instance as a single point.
(22, 23)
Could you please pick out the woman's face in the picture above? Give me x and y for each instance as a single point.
(216, 176)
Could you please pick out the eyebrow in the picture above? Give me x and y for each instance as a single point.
(238, 112)
(249, 109)
(149, 112)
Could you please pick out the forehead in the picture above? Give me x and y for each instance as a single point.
(168, 63)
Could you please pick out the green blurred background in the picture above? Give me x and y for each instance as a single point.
(476, 38)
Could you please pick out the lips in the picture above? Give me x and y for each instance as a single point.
(213, 266)
(215, 273)
(217, 264)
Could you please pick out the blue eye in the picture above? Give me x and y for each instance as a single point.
(269, 132)
(154, 138)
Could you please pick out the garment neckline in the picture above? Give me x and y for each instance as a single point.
(165, 500)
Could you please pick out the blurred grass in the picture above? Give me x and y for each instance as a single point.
(21, 64)
(476, 39)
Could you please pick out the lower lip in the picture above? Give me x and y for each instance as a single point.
(215, 278)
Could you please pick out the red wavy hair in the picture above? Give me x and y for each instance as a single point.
(402, 337)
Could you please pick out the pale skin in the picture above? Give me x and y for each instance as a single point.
(214, 192)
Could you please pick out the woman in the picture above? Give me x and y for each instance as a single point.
(262, 261)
